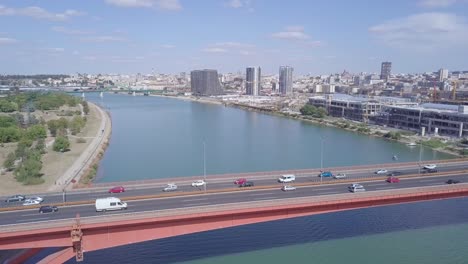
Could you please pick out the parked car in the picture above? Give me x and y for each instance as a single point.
(30, 202)
(170, 187)
(247, 184)
(15, 198)
(288, 188)
(117, 189)
(451, 181)
(48, 209)
(287, 178)
(325, 174)
(381, 171)
(240, 181)
(430, 166)
(198, 183)
(393, 179)
(429, 171)
(395, 173)
(339, 176)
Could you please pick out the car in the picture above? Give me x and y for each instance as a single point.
(393, 179)
(198, 183)
(430, 171)
(170, 187)
(355, 185)
(117, 189)
(48, 209)
(247, 184)
(15, 198)
(339, 176)
(30, 202)
(240, 181)
(356, 188)
(395, 173)
(430, 166)
(288, 188)
(36, 198)
(287, 178)
(381, 171)
(451, 181)
(325, 174)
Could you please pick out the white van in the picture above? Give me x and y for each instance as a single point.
(109, 203)
(356, 188)
(287, 178)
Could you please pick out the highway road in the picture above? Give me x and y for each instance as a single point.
(32, 215)
(219, 184)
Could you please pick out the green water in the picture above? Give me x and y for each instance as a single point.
(435, 245)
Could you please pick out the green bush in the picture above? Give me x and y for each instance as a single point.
(310, 110)
(61, 144)
(393, 135)
(9, 134)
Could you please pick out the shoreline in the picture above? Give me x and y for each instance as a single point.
(374, 130)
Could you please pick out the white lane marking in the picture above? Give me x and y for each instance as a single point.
(386, 188)
(261, 194)
(192, 200)
(267, 198)
(324, 189)
(430, 180)
(197, 204)
(377, 184)
(324, 193)
(33, 219)
(30, 214)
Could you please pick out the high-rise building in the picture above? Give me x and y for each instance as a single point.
(285, 80)
(253, 81)
(205, 83)
(443, 75)
(385, 70)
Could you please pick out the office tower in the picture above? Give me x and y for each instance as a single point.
(205, 83)
(285, 80)
(385, 70)
(253, 81)
(443, 75)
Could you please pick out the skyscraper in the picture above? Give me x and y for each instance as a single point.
(205, 83)
(385, 70)
(253, 81)
(285, 80)
(443, 75)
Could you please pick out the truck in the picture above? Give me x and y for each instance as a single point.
(109, 204)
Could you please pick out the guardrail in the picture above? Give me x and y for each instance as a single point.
(291, 202)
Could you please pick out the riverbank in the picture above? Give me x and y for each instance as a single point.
(404, 136)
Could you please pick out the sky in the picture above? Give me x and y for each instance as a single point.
(172, 36)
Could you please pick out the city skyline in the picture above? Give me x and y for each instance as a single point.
(171, 36)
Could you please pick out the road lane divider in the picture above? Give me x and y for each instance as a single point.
(239, 189)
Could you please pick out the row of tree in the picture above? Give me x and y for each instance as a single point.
(310, 110)
(29, 102)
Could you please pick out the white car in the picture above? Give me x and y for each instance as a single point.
(36, 198)
(287, 178)
(170, 187)
(381, 171)
(31, 202)
(430, 166)
(357, 189)
(198, 183)
(339, 176)
(355, 185)
(288, 188)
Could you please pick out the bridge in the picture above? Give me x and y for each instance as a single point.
(153, 215)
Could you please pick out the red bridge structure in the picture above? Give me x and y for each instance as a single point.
(78, 236)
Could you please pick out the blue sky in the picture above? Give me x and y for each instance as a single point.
(171, 36)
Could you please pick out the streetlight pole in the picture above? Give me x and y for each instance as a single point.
(420, 153)
(321, 159)
(204, 164)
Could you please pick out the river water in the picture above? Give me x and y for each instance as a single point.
(159, 137)
(155, 137)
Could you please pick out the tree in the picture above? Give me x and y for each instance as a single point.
(76, 124)
(53, 126)
(310, 110)
(8, 107)
(61, 144)
(9, 134)
(35, 132)
(7, 121)
(85, 107)
(9, 162)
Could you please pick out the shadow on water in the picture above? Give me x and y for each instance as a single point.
(362, 222)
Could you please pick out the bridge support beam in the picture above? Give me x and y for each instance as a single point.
(58, 257)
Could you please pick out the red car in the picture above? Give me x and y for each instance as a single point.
(240, 181)
(118, 189)
(393, 179)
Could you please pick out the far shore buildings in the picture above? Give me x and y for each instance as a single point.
(426, 118)
(385, 70)
(205, 83)
(253, 81)
(286, 80)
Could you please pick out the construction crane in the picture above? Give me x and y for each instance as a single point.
(454, 91)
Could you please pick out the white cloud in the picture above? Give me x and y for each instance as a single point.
(436, 3)
(68, 31)
(7, 41)
(103, 39)
(38, 13)
(235, 3)
(75, 52)
(55, 50)
(161, 4)
(215, 50)
(233, 45)
(292, 33)
(167, 46)
(424, 31)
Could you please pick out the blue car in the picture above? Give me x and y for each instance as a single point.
(326, 174)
